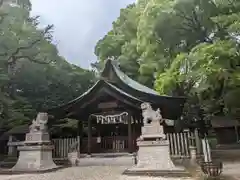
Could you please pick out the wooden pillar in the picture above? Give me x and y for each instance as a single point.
(129, 133)
(89, 135)
(197, 141)
(10, 146)
(79, 137)
(236, 131)
(134, 134)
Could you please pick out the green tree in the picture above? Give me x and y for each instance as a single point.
(48, 86)
(209, 63)
(183, 47)
(121, 42)
(33, 76)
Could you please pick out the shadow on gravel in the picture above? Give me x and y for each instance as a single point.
(6, 171)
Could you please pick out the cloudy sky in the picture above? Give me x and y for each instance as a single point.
(79, 24)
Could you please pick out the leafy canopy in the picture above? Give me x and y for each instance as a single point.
(181, 48)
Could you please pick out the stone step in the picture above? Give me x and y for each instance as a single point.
(10, 162)
(100, 155)
(107, 161)
(101, 159)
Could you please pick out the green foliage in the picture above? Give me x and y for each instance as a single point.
(184, 48)
(33, 77)
(120, 43)
(49, 86)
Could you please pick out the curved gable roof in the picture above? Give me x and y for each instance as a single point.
(85, 98)
(133, 84)
(111, 72)
(115, 82)
(111, 65)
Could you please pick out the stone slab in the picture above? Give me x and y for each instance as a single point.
(36, 148)
(153, 159)
(34, 158)
(153, 143)
(155, 155)
(156, 173)
(152, 129)
(11, 171)
(128, 161)
(37, 137)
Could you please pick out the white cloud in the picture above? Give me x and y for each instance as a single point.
(79, 24)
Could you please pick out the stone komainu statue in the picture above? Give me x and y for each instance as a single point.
(40, 123)
(149, 115)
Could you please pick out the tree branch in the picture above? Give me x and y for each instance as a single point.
(34, 20)
(47, 33)
(30, 45)
(32, 59)
(183, 15)
(24, 47)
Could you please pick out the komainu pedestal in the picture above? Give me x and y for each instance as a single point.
(152, 130)
(36, 153)
(153, 157)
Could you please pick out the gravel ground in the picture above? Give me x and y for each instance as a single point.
(85, 173)
(232, 169)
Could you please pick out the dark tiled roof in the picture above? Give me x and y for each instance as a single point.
(114, 80)
(133, 84)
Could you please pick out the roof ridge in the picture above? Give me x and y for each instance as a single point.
(131, 82)
(121, 91)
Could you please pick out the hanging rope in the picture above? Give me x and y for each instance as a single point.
(112, 119)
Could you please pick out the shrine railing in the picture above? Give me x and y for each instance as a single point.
(179, 145)
(63, 146)
(117, 144)
(106, 144)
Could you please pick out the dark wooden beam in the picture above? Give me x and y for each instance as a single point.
(118, 96)
(108, 105)
(130, 139)
(89, 135)
(80, 132)
(134, 133)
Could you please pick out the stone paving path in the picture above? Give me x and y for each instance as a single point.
(108, 173)
(232, 169)
(85, 173)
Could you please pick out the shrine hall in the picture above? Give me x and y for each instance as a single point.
(110, 111)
